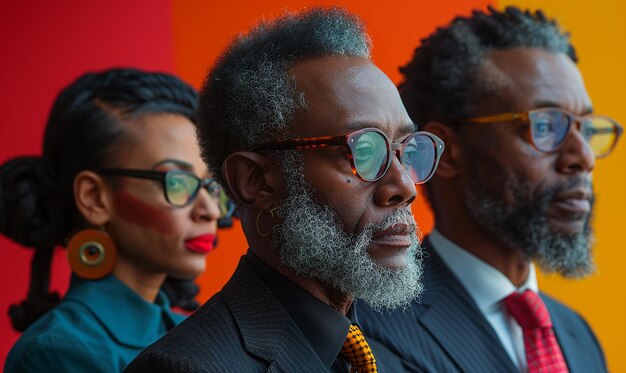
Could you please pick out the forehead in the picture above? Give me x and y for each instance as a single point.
(527, 78)
(155, 137)
(347, 93)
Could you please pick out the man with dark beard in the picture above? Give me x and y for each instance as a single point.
(514, 186)
(322, 159)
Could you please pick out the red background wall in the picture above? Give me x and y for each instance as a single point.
(47, 44)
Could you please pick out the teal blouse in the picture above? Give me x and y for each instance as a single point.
(100, 326)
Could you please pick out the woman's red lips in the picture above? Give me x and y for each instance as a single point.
(201, 244)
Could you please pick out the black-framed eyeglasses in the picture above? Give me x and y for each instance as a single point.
(549, 127)
(371, 152)
(179, 187)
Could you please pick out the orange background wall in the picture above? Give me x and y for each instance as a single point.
(48, 45)
(395, 29)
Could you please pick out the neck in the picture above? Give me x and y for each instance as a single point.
(263, 248)
(484, 245)
(336, 299)
(144, 283)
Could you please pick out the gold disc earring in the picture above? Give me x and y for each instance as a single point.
(91, 254)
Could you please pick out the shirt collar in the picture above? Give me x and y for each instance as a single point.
(323, 327)
(128, 317)
(486, 285)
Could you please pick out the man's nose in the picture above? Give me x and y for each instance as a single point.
(576, 155)
(396, 187)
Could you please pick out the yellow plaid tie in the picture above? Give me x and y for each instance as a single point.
(358, 352)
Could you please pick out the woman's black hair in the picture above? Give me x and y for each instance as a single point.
(83, 131)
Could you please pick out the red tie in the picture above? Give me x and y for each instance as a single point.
(542, 349)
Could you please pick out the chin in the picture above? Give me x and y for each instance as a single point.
(392, 257)
(393, 263)
(568, 228)
(193, 268)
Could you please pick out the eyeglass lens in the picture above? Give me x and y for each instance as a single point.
(371, 154)
(601, 134)
(550, 128)
(418, 157)
(181, 187)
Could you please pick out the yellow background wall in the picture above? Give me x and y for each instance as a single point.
(599, 34)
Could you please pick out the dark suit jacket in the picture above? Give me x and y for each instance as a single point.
(243, 328)
(446, 332)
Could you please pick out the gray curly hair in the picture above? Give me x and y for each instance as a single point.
(250, 97)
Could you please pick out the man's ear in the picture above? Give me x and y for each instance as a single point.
(254, 180)
(449, 163)
(93, 198)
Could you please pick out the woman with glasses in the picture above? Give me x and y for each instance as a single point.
(121, 185)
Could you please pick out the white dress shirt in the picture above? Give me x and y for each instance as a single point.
(488, 287)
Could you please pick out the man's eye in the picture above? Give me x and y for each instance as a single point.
(588, 130)
(588, 133)
(542, 127)
(364, 152)
(410, 155)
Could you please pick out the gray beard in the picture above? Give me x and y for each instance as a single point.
(312, 242)
(523, 224)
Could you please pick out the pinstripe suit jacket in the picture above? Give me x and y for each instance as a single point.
(446, 332)
(243, 328)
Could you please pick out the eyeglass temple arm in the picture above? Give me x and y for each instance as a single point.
(616, 128)
(600, 131)
(504, 117)
(204, 183)
(309, 143)
(154, 175)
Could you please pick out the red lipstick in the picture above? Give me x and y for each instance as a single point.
(201, 244)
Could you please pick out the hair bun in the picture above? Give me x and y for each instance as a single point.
(30, 203)
(28, 311)
(181, 293)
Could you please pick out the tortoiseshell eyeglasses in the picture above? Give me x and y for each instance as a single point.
(370, 152)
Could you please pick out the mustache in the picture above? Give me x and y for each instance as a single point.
(574, 182)
(397, 216)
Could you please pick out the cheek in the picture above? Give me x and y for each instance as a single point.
(134, 211)
(330, 177)
(349, 202)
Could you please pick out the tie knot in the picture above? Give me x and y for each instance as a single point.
(528, 310)
(358, 352)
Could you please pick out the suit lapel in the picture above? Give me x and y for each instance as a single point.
(267, 330)
(454, 320)
(575, 354)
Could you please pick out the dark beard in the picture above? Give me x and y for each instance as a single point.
(523, 224)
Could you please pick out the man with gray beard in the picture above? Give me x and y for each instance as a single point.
(312, 243)
(502, 89)
(319, 154)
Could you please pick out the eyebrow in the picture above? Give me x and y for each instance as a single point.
(181, 164)
(548, 103)
(406, 128)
